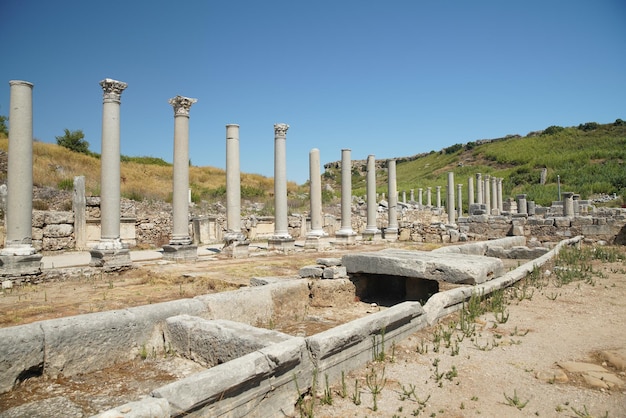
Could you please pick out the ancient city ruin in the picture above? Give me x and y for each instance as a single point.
(245, 369)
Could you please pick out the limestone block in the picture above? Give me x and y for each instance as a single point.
(247, 305)
(449, 267)
(329, 262)
(562, 222)
(58, 230)
(335, 293)
(38, 218)
(314, 271)
(21, 354)
(212, 342)
(37, 234)
(58, 217)
(257, 384)
(146, 407)
(335, 272)
(56, 244)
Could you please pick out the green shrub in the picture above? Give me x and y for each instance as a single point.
(551, 130)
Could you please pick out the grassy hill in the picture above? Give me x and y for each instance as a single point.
(589, 159)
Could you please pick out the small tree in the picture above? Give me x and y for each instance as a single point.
(3, 125)
(73, 140)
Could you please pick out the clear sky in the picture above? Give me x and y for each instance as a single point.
(388, 78)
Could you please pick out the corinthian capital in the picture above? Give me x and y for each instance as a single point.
(112, 89)
(182, 105)
(280, 129)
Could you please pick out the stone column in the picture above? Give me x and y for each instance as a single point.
(403, 196)
(522, 207)
(428, 196)
(281, 240)
(438, 188)
(19, 257)
(479, 189)
(450, 202)
(412, 195)
(494, 196)
(500, 202)
(180, 247)
(315, 190)
(487, 194)
(459, 198)
(236, 244)
(576, 201)
(79, 206)
(568, 203)
(346, 234)
(391, 232)
(371, 231)
(110, 253)
(420, 193)
(470, 191)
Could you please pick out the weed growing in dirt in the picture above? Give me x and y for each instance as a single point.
(515, 400)
(586, 414)
(375, 383)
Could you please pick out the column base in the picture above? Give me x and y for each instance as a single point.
(281, 243)
(390, 234)
(345, 238)
(236, 245)
(312, 242)
(111, 259)
(14, 265)
(372, 235)
(180, 252)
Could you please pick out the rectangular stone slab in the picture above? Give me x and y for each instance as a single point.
(447, 267)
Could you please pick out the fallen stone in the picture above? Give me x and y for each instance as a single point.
(336, 272)
(552, 376)
(448, 267)
(609, 378)
(616, 358)
(329, 262)
(595, 382)
(580, 367)
(311, 271)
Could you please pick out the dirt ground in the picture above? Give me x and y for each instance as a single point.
(497, 371)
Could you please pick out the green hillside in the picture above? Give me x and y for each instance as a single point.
(589, 159)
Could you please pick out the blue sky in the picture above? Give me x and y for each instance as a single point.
(388, 78)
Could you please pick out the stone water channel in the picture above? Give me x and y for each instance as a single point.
(207, 356)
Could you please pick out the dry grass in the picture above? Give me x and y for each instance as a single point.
(53, 165)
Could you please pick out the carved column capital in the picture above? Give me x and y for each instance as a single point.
(280, 129)
(112, 89)
(182, 105)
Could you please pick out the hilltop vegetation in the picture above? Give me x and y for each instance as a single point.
(588, 159)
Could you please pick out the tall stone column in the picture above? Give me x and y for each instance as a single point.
(391, 232)
(346, 234)
(371, 231)
(438, 197)
(315, 190)
(110, 253)
(500, 203)
(420, 193)
(450, 201)
(281, 240)
(19, 257)
(236, 244)
(494, 196)
(428, 196)
(487, 194)
(404, 196)
(412, 195)
(459, 198)
(479, 189)
(470, 191)
(180, 246)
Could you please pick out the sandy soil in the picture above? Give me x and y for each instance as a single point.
(491, 372)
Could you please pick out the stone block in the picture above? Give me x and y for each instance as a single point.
(146, 407)
(335, 272)
(449, 267)
(58, 230)
(212, 342)
(332, 293)
(314, 271)
(58, 217)
(21, 354)
(329, 262)
(562, 222)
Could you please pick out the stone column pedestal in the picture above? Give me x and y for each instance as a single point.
(19, 257)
